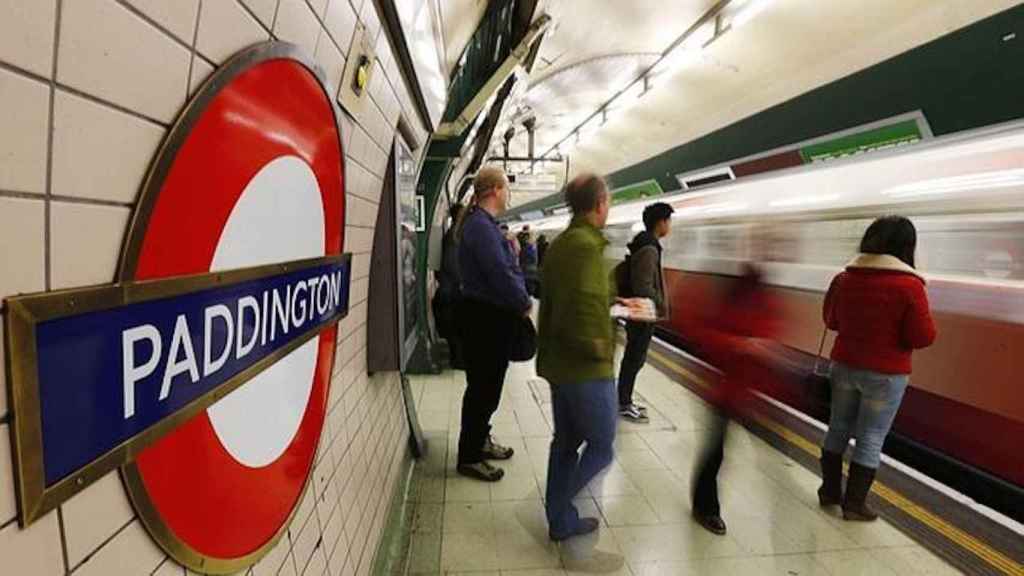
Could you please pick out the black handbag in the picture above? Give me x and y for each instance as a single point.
(817, 385)
(522, 344)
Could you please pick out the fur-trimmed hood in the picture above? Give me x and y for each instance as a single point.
(883, 262)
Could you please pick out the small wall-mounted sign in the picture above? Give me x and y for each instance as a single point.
(421, 214)
(359, 70)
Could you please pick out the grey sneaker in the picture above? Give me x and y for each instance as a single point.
(481, 471)
(632, 413)
(494, 451)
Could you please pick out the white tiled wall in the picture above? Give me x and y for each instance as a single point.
(106, 78)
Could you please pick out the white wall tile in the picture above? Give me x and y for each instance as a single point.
(318, 6)
(368, 14)
(178, 17)
(360, 289)
(340, 20)
(288, 567)
(26, 34)
(85, 243)
(3, 390)
(358, 240)
(302, 514)
(347, 127)
(34, 550)
(361, 266)
(304, 545)
(130, 552)
(336, 543)
(100, 152)
(22, 246)
(225, 28)
(331, 61)
(361, 212)
(170, 568)
(264, 10)
(200, 72)
(25, 113)
(8, 505)
(297, 24)
(108, 52)
(94, 515)
(317, 563)
(271, 563)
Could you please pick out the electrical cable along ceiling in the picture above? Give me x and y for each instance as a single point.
(618, 82)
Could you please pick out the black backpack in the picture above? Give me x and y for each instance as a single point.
(623, 285)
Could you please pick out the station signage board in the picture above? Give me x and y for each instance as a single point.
(203, 372)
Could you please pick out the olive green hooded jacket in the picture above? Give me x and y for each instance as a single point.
(575, 336)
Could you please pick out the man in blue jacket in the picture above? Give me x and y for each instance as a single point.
(493, 298)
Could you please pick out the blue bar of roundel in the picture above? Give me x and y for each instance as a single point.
(80, 366)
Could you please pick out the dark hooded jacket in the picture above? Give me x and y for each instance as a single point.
(645, 274)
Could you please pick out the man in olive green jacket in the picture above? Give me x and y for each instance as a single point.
(576, 354)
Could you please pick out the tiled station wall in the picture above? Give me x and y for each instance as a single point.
(88, 89)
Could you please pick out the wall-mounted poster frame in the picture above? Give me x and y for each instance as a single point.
(408, 213)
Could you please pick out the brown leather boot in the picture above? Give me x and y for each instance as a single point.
(831, 491)
(858, 485)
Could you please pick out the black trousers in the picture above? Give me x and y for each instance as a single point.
(484, 331)
(705, 484)
(638, 340)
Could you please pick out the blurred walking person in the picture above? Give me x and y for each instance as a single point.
(730, 340)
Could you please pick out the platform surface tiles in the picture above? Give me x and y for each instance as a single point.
(471, 528)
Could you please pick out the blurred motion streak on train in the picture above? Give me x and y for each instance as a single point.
(965, 194)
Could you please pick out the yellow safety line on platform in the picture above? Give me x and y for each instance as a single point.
(993, 557)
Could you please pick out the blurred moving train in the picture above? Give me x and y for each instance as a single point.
(962, 420)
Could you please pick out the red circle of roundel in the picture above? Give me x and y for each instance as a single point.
(211, 502)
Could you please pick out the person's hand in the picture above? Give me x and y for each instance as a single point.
(631, 302)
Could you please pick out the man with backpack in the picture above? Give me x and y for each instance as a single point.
(640, 276)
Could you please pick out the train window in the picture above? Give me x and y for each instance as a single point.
(981, 246)
(724, 242)
(831, 242)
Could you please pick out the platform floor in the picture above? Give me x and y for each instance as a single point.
(463, 526)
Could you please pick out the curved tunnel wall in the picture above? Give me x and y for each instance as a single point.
(967, 79)
(107, 79)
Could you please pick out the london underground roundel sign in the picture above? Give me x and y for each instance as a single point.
(251, 176)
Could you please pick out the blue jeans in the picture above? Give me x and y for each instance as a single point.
(583, 412)
(864, 405)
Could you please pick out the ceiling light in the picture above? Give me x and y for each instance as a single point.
(686, 52)
(589, 128)
(803, 200)
(747, 11)
(957, 184)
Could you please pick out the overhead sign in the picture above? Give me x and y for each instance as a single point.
(881, 138)
(204, 370)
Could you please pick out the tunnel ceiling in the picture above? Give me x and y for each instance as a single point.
(791, 46)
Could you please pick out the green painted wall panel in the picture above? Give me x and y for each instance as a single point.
(967, 79)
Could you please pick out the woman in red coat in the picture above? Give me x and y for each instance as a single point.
(879, 308)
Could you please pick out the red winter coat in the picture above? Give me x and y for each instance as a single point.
(880, 309)
(749, 312)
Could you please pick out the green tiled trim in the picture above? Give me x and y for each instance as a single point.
(392, 550)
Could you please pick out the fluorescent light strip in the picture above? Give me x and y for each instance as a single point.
(803, 200)
(939, 186)
(679, 55)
